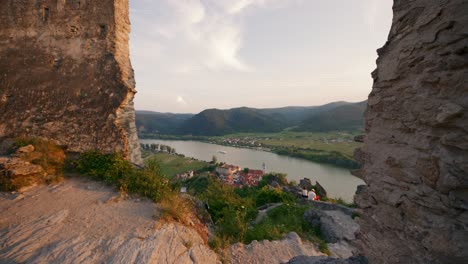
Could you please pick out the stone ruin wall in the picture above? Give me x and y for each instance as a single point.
(415, 157)
(65, 74)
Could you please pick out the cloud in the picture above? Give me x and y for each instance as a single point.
(237, 6)
(194, 34)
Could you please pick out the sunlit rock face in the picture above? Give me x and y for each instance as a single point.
(65, 74)
(415, 158)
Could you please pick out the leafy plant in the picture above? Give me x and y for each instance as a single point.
(114, 169)
(282, 220)
(177, 208)
(338, 201)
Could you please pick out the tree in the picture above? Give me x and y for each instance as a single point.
(246, 170)
(214, 159)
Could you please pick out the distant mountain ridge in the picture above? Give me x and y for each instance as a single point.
(164, 123)
(215, 122)
(344, 117)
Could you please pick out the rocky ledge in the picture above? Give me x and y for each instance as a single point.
(80, 221)
(83, 221)
(272, 251)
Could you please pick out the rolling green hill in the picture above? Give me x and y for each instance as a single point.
(163, 123)
(345, 117)
(295, 114)
(214, 122)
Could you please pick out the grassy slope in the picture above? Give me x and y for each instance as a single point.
(173, 164)
(334, 148)
(320, 141)
(309, 140)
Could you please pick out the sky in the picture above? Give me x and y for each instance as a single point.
(191, 55)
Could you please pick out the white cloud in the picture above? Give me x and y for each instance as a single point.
(194, 34)
(237, 6)
(188, 54)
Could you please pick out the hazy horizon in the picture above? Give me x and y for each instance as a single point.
(193, 55)
(285, 106)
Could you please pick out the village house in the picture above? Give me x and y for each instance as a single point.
(227, 169)
(252, 177)
(235, 176)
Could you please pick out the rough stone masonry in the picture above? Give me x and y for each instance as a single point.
(65, 74)
(415, 158)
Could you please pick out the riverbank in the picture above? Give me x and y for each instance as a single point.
(334, 148)
(337, 181)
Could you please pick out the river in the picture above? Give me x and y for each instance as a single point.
(337, 181)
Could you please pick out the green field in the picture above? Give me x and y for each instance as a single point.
(340, 142)
(174, 164)
(334, 148)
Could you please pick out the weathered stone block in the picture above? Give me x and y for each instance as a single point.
(413, 209)
(65, 74)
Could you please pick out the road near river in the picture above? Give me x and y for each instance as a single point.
(337, 181)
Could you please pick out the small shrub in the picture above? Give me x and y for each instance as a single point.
(266, 195)
(6, 185)
(338, 201)
(114, 169)
(270, 177)
(233, 224)
(148, 182)
(219, 243)
(188, 244)
(323, 247)
(177, 208)
(106, 167)
(282, 220)
(46, 154)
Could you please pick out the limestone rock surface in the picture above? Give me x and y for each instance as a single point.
(83, 221)
(80, 221)
(277, 251)
(65, 74)
(335, 226)
(337, 229)
(415, 155)
(15, 171)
